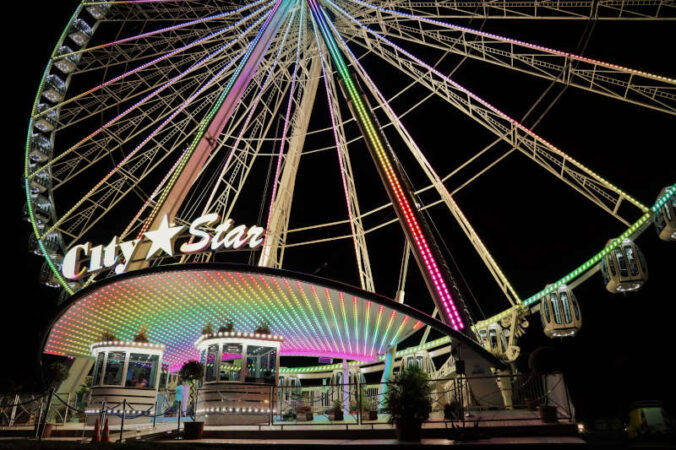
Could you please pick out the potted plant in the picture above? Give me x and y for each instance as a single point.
(452, 411)
(53, 374)
(305, 413)
(208, 328)
(263, 327)
(107, 336)
(409, 403)
(227, 327)
(543, 361)
(336, 411)
(142, 335)
(289, 415)
(192, 372)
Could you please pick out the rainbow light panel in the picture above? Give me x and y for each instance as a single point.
(409, 218)
(176, 304)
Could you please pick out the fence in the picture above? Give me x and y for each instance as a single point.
(454, 399)
(512, 397)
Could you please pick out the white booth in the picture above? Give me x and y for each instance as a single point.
(241, 372)
(125, 379)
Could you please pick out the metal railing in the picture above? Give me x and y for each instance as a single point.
(456, 401)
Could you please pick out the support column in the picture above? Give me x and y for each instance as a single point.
(210, 129)
(433, 268)
(346, 389)
(275, 235)
(390, 357)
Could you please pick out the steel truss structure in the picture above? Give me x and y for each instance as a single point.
(176, 108)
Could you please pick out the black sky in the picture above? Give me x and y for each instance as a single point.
(624, 349)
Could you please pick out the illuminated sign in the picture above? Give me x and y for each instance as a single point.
(118, 254)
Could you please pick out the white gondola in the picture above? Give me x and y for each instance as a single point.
(47, 276)
(67, 63)
(41, 208)
(46, 121)
(80, 32)
(624, 268)
(55, 88)
(51, 243)
(289, 392)
(493, 339)
(337, 384)
(40, 182)
(422, 360)
(41, 148)
(560, 313)
(99, 11)
(665, 218)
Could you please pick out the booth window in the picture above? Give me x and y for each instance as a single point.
(114, 368)
(231, 362)
(212, 352)
(261, 364)
(142, 370)
(96, 376)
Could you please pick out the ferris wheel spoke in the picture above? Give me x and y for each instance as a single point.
(437, 183)
(152, 43)
(135, 107)
(601, 192)
(127, 129)
(347, 177)
(621, 83)
(136, 150)
(537, 9)
(102, 201)
(213, 124)
(239, 159)
(236, 28)
(275, 244)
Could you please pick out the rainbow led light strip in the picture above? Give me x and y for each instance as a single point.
(441, 292)
(224, 102)
(176, 302)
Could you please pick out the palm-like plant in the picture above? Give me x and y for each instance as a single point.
(192, 372)
(408, 396)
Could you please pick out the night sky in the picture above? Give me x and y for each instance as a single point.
(537, 228)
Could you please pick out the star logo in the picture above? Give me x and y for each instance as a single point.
(163, 238)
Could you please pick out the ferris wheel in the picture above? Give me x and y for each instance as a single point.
(158, 111)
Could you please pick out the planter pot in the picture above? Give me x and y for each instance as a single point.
(408, 431)
(373, 415)
(193, 430)
(309, 417)
(547, 413)
(47, 429)
(336, 416)
(532, 404)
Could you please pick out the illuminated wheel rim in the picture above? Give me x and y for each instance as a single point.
(103, 104)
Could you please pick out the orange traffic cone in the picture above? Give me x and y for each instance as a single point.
(104, 434)
(95, 434)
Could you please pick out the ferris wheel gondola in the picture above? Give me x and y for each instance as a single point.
(624, 269)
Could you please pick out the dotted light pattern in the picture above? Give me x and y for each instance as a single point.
(247, 71)
(176, 304)
(448, 307)
(330, 367)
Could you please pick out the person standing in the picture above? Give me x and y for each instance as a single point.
(178, 396)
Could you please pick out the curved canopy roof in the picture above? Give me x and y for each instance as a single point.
(316, 317)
